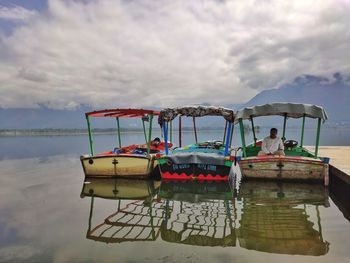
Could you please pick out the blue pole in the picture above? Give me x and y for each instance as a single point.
(228, 137)
(165, 138)
(241, 129)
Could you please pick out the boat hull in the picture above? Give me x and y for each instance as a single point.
(284, 168)
(195, 167)
(118, 166)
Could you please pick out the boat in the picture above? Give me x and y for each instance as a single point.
(298, 163)
(210, 160)
(136, 160)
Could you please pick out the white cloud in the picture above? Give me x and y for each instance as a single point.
(16, 13)
(165, 53)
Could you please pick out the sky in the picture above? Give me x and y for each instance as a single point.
(109, 53)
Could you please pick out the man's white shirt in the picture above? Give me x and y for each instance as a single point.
(270, 145)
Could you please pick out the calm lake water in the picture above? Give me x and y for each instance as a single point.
(49, 214)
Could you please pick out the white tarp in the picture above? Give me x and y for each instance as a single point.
(292, 110)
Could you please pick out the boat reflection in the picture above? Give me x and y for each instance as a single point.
(202, 213)
(138, 215)
(276, 218)
(120, 188)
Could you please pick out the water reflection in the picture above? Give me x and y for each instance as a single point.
(280, 218)
(276, 218)
(136, 219)
(203, 213)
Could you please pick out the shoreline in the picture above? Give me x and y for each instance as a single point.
(111, 131)
(78, 132)
(108, 131)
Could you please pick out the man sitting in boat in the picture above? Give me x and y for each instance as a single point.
(272, 145)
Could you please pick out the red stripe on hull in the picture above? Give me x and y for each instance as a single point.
(183, 176)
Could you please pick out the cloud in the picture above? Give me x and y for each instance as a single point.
(16, 13)
(164, 53)
(32, 74)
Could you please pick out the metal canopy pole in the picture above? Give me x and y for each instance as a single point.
(241, 128)
(284, 127)
(195, 130)
(228, 138)
(180, 139)
(150, 134)
(144, 129)
(302, 132)
(167, 128)
(232, 129)
(90, 135)
(223, 140)
(253, 129)
(317, 137)
(165, 138)
(118, 129)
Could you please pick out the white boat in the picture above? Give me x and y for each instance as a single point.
(298, 163)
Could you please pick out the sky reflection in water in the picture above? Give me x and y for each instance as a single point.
(46, 215)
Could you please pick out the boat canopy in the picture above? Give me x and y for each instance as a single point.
(144, 115)
(293, 110)
(122, 113)
(169, 114)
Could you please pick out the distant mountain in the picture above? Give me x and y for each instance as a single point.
(42, 118)
(332, 94)
(45, 118)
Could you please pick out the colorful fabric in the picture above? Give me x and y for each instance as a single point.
(205, 147)
(141, 148)
(195, 111)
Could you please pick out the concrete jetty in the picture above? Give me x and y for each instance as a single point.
(339, 158)
(339, 175)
